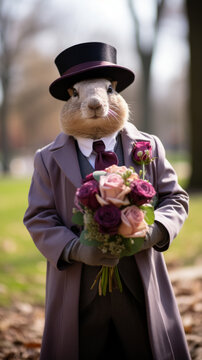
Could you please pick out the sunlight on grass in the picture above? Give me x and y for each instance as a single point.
(22, 267)
(187, 247)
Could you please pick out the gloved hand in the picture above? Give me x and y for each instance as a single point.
(88, 255)
(156, 235)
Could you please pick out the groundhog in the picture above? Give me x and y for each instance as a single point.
(94, 109)
(142, 321)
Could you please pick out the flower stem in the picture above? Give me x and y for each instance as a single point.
(96, 279)
(118, 280)
(111, 272)
(143, 171)
(105, 279)
(100, 287)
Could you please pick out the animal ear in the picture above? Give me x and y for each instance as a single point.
(70, 92)
(114, 83)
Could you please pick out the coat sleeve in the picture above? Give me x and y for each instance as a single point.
(172, 207)
(41, 219)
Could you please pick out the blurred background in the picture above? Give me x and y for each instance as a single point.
(161, 41)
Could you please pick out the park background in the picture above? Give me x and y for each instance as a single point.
(161, 41)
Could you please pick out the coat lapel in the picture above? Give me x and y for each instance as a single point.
(64, 152)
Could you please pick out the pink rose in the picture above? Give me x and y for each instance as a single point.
(113, 190)
(132, 177)
(142, 152)
(116, 169)
(133, 224)
(121, 170)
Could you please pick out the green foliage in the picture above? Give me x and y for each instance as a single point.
(77, 218)
(126, 175)
(149, 213)
(98, 173)
(84, 239)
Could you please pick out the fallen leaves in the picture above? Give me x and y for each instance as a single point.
(21, 326)
(187, 284)
(21, 330)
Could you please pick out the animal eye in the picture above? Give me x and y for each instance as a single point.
(110, 89)
(75, 92)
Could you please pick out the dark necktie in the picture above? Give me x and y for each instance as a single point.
(103, 158)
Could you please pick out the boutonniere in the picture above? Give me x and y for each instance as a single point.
(142, 155)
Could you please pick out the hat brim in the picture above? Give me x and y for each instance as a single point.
(122, 75)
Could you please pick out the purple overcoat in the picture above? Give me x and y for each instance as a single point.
(48, 219)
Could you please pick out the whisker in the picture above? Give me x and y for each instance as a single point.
(112, 111)
(112, 114)
(113, 106)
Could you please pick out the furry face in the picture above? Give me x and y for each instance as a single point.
(94, 109)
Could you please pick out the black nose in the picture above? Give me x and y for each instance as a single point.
(94, 104)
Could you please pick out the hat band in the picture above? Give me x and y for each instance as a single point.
(86, 65)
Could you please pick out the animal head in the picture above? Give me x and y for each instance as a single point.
(94, 109)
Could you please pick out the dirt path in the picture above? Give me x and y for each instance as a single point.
(21, 326)
(187, 284)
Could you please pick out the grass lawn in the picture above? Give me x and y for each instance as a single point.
(22, 267)
(186, 249)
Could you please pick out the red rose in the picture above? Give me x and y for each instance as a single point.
(109, 218)
(142, 152)
(88, 178)
(142, 192)
(86, 194)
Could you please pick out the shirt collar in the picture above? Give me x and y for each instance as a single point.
(86, 145)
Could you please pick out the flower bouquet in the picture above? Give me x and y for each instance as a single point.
(114, 207)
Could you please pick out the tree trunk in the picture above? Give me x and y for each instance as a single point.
(146, 59)
(3, 122)
(194, 11)
(146, 124)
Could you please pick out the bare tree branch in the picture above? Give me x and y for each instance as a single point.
(15, 33)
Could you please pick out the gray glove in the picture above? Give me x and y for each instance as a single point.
(88, 255)
(156, 235)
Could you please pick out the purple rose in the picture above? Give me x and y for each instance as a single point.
(142, 192)
(88, 178)
(109, 218)
(142, 152)
(86, 194)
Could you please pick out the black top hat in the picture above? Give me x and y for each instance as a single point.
(87, 61)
